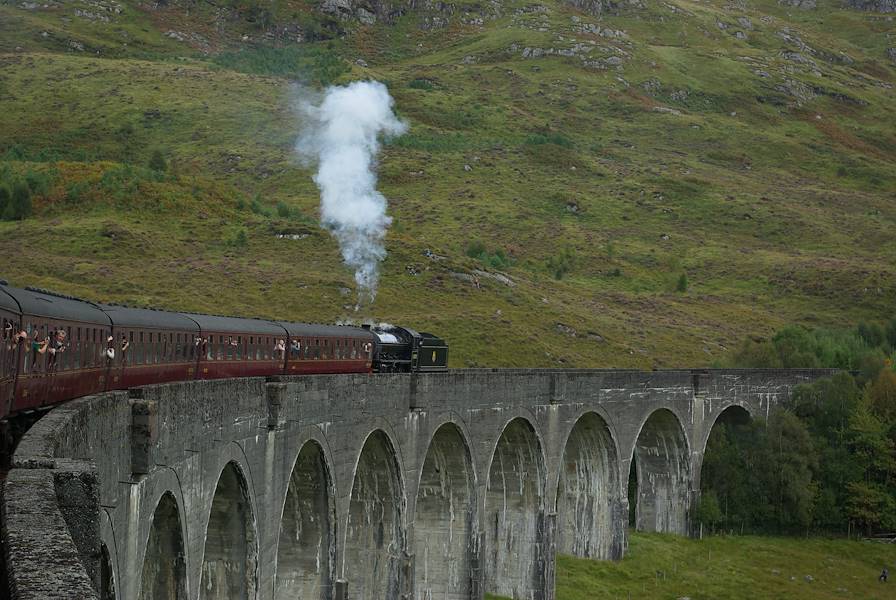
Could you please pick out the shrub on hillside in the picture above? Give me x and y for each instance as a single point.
(157, 161)
(562, 263)
(497, 259)
(15, 200)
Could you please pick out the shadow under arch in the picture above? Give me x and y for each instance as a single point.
(305, 566)
(374, 546)
(164, 573)
(230, 559)
(734, 414)
(444, 518)
(659, 478)
(590, 513)
(106, 589)
(513, 523)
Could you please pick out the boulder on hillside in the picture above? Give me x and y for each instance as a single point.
(891, 54)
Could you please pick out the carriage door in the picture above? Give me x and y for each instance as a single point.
(9, 354)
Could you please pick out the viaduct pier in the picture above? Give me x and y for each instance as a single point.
(362, 487)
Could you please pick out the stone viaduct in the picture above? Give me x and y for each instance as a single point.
(369, 487)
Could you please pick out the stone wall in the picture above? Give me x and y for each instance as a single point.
(356, 486)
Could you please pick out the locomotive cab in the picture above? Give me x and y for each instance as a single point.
(403, 350)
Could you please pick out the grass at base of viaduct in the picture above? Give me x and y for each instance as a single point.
(668, 566)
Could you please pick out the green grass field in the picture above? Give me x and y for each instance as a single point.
(665, 566)
(761, 166)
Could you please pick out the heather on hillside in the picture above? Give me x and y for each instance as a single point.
(641, 185)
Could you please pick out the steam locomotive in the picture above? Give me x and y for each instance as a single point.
(56, 348)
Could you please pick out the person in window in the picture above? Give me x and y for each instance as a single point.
(280, 348)
(125, 344)
(295, 348)
(7, 331)
(38, 349)
(56, 347)
(233, 342)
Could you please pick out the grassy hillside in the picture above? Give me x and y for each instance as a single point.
(749, 148)
(665, 566)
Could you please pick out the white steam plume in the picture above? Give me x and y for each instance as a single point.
(342, 139)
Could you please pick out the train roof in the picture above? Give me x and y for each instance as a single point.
(316, 329)
(41, 303)
(212, 323)
(7, 302)
(124, 316)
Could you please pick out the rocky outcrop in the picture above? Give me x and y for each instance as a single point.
(365, 11)
(801, 4)
(882, 6)
(599, 7)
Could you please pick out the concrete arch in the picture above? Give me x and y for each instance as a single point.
(164, 565)
(306, 546)
(513, 522)
(374, 536)
(729, 409)
(230, 558)
(590, 516)
(661, 463)
(444, 518)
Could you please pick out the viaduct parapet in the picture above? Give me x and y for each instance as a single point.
(373, 487)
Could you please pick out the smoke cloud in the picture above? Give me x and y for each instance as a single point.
(342, 138)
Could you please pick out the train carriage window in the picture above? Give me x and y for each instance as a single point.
(6, 348)
(229, 348)
(239, 347)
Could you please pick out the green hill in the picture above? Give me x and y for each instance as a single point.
(644, 184)
(666, 566)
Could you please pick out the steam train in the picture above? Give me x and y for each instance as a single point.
(56, 348)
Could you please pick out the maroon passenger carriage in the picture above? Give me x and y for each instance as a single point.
(151, 346)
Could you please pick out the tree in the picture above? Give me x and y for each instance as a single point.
(873, 334)
(882, 396)
(791, 462)
(709, 513)
(5, 198)
(871, 501)
(682, 285)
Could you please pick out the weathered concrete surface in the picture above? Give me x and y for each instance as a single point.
(387, 486)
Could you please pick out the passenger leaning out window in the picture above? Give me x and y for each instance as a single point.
(125, 344)
(56, 347)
